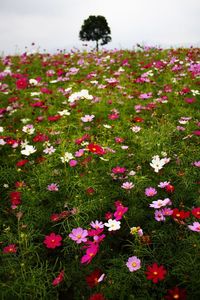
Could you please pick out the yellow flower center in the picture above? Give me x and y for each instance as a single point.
(176, 296)
(134, 264)
(155, 273)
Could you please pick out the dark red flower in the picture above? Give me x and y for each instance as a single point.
(155, 273)
(176, 293)
(138, 120)
(92, 278)
(196, 212)
(40, 137)
(90, 191)
(10, 249)
(97, 296)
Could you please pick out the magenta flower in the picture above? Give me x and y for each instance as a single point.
(58, 279)
(150, 191)
(90, 253)
(121, 210)
(195, 227)
(118, 170)
(79, 235)
(133, 263)
(73, 163)
(53, 187)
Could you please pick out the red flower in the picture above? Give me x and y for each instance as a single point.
(53, 240)
(15, 198)
(90, 191)
(180, 214)
(40, 137)
(22, 162)
(97, 296)
(138, 120)
(155, 272)
(22, 83)
(176, 293)
(96, 149)
(92, 278)
(196, 212)
(58, 279)
(10, 249)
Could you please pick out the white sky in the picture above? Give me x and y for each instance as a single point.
(55, 24)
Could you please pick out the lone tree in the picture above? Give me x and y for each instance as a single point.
(95, 28)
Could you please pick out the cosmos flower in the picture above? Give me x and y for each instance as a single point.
(79, 235)
(133, 263)
(155, 273)
(113, 225)
(52, 241)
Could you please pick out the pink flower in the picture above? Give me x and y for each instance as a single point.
(73, 163)
(53, 187)
(10, 249)
(58, 279)
(127, 185)
(119, 140)
(150, 192)
(133, 263)
(79, 153)
(79, 235)
(195, 227)
(196, 164)
(90, 253)
(159, 216)
(162, 185)
(167, 211)
(52, 240)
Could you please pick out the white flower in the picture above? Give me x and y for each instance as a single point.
(107, 126)
(132, 173)
(2, 142)
(24, 121)
(112, 225)
(157, 163)
(66, 157)
(33, 81)
(29, 149)
(29, 129)
(136, 129)
(64, 112)
(35, 94)
(83, 94)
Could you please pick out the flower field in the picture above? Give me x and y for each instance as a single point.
(99, 175)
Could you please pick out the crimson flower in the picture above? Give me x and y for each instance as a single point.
(54, 118)
(180, 214)
(155, 272)
(169, 188)
(196, 212)
(10, 249)
(52, 240)
(96, 149)
(176, 293)
(22, 162)
(58, 279)
(21, 83)
(15, 198)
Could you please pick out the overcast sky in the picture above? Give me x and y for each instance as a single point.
(55, 24)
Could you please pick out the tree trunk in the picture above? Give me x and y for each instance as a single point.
(97, 45)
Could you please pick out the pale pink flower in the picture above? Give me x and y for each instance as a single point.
(162, 185)
(79, 153)
(97, 224)
(87, 118)
(127, 185)
(133, 263)
(195, 227)
(79, 235)
(196, 164)
(49, 150)
(160, 203)
(159, 216)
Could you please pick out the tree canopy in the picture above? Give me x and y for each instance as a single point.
(95, 28)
